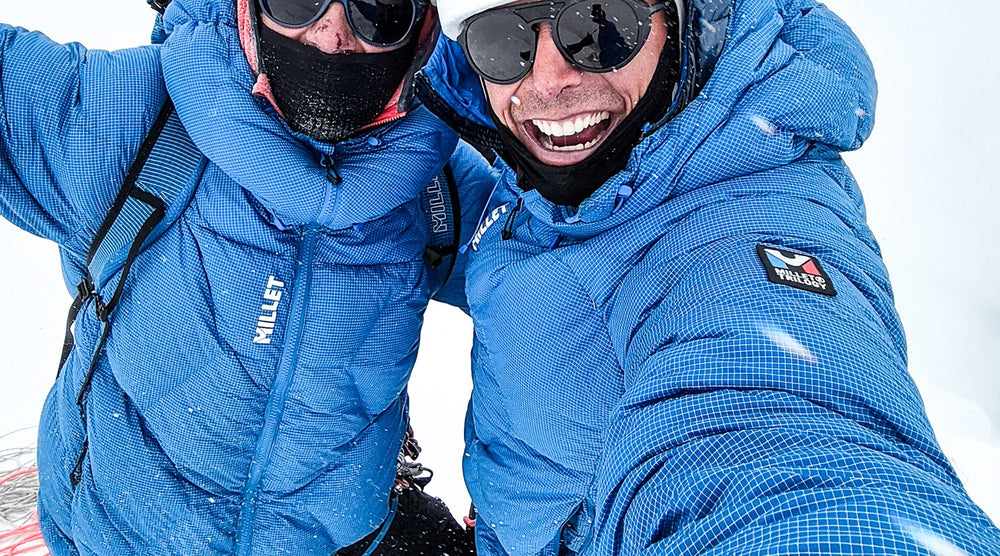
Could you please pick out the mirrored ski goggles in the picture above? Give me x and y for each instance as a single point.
(377, 22)
(592, 35)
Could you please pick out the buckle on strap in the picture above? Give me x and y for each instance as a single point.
(86, 289)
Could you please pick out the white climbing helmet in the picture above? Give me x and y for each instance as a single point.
(453, 13)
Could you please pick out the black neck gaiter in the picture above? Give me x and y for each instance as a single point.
(571, 185)
(330, 97)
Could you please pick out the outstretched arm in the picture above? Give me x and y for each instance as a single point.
(71, 122)
(761, 417)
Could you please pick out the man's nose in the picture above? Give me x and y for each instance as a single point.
(551, 74)
(331, 33)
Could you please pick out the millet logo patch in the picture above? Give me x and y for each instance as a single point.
(798, 271)
(269, 311)
(434, 199)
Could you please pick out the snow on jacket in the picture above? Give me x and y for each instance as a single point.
(197, 439)
(642, 387)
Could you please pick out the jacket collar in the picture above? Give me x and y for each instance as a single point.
(211, 84)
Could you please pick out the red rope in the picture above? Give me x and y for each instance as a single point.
(27, 539)
(13, 476)
(24, 540)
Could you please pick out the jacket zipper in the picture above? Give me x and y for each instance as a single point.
(279, 393)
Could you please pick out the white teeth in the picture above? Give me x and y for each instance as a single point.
(547, 143)
(570, 127)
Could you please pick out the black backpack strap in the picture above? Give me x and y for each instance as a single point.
(158, 5)
(68, 340)
(86, 288)
(156, 190)
(440, 204)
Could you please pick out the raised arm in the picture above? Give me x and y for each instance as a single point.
(71, 121)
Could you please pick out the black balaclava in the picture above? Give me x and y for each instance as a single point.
(571, 185)
(330, 97)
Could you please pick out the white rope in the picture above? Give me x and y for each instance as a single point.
(18, 486)
(19, 491)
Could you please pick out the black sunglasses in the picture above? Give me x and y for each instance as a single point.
(377, 22)
(592, 35)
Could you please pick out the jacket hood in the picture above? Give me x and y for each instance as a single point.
(298, 179)
(772, 76)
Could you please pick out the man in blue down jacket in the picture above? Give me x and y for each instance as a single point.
(194, 438)
(685, 336)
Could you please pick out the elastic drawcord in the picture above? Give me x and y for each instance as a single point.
(385, 527)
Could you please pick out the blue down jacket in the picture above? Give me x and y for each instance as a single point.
(199, 440)
(642, 387)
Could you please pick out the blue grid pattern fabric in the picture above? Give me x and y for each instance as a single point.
(643, 387)
(251, 396)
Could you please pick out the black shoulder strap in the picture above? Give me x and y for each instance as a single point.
(158, 5)
(441, 208)
(156, 190)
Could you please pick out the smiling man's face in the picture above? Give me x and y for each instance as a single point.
(561, 114)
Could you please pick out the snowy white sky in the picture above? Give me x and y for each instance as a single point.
(928, 178)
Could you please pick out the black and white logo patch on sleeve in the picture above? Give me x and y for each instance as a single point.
(795, 270)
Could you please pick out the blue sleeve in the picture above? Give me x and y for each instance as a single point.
(794, 426)
(475, 180)
(71, 122)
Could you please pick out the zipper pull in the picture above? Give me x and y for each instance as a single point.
(508, 227)
(331, 170)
